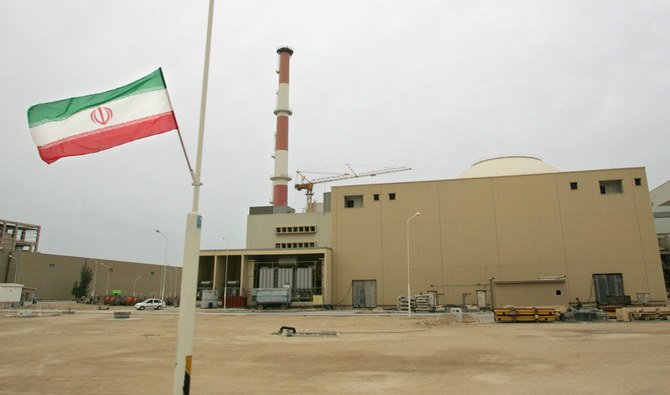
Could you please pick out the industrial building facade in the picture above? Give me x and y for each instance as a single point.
(594, 229)
(52, 276)
(660, 200)
(514, 221)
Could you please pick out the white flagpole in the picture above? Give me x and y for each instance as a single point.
(182, 372)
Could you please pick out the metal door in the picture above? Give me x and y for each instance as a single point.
(364, 293)
(607, 285)
(481, 298)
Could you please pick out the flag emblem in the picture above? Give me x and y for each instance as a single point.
(101, 115)
(87, 124)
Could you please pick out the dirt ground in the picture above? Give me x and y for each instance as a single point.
(90, 352)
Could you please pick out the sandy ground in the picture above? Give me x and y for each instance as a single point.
(90, 352)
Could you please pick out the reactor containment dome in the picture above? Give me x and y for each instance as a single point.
(508, 166)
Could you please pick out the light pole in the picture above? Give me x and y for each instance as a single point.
(95, 274)
(135, 283)
(176, 272)
(225, 277)
(164, 264)
(409, 293)
(109, 270)
(16, 271)
(169, 282)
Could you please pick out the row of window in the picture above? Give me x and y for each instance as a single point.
(296, 245)
(608, 186)
(295, 229)
(391, 196)
(355, 201)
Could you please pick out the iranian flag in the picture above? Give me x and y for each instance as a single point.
(87, 124)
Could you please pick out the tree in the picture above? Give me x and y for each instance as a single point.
(80, 288)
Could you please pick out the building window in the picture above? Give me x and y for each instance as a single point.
(638, 182)
(559, 292)
(573, 185)
(295, 229)
(611, 186)
(52, 265)
(392, 196)
(302, 244)
(375, 196)
(355, 201)
(152, 273)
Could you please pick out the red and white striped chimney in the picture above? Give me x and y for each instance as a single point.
(280, 178)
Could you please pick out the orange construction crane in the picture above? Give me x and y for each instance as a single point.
(307, 184)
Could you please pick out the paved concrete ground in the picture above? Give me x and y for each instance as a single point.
(90, 352)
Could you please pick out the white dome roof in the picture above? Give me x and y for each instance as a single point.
(508, 166)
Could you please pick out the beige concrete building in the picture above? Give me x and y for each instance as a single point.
(19, 236)
(307, 271)
(284, 248)
(287, 230)
(517, 219)
(660, 200)
(52, 276)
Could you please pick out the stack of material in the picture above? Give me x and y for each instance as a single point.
(426, 302)
(525, 314)
(401, 304)
(611, 310)
(423, 302)
(628, 314)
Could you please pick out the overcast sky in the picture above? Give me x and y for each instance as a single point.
(434, 85)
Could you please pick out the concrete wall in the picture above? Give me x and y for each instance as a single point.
(509, 228)
(54, 275)
(261, 229)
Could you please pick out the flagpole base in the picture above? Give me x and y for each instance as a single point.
(189, 280)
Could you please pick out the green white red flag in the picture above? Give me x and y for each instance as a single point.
(87, 124)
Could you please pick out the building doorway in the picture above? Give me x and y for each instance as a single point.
(608, 288)
(481, 298)
(364, 293)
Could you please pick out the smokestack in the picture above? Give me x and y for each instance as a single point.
(280, 178)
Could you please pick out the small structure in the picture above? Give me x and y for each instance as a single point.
(10, 293)
(529, 300)
(210, 299)
(538, 292)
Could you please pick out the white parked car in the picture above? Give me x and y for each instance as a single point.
(151, 303)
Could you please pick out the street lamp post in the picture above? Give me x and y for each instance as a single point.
(409, 293)
(225, 280)
(135, 283)
(225, 277)
(169, 282)
(95, 275)
(176, 272)
(109, 270)
(164, 263)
